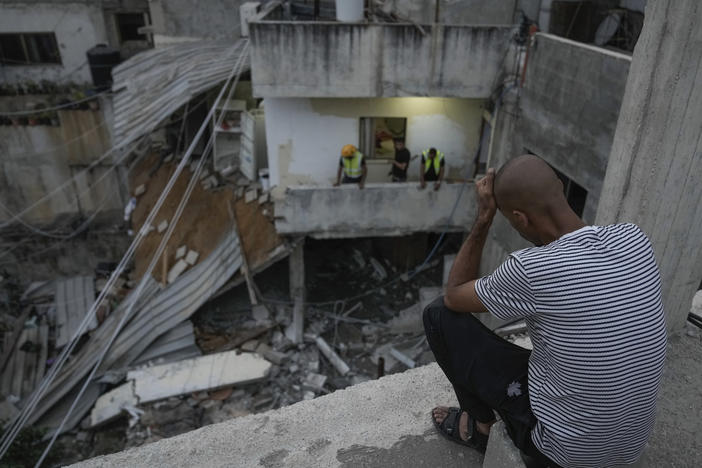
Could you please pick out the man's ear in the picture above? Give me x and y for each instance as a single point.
(520, 218)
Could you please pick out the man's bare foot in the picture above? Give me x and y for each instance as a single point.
(440, 412)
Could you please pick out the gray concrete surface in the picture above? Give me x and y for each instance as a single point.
(330, 59)
(377, 210)
(386, 423)
(653, 176)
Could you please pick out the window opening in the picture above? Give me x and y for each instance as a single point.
(128, 25)
(378, 133)
(29, 49)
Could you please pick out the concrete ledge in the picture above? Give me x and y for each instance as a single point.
(384, 422)
(376, 210)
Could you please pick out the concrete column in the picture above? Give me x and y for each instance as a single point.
(654, 175)
(297, 290)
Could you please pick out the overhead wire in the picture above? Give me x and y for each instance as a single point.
(236, 72)
(30, 405)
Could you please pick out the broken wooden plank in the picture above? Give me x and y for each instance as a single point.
(193, 375)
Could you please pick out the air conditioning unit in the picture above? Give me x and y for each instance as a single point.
(247, 12)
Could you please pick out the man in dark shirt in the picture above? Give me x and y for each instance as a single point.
(401, 162)
(432, 168)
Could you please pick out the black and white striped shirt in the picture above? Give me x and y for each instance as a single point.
(592, 304)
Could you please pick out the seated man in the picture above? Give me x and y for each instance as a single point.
(353, 165)
(591, 298)
(432, 168)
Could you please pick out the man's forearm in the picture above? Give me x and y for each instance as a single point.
(465, 267)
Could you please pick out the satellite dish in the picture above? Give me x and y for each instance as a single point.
(607, 28)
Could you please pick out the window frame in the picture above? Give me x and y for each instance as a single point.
(25, 50)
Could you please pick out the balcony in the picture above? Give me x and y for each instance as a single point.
(377, 210)
(292, 58)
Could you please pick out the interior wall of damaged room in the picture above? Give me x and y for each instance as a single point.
(305, 136)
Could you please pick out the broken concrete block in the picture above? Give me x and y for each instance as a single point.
(264, 198)
(180, 253)
(308, 395)
(379, 270)
(192, 257)
(201, 373)
(140, 190)
(251, 195)
(275, 357)
(204, 174)
(250, 346)
(409, 320)
(168, 158)
(314, 382)
(212, 181)
(330, 354)
(176, 270)
(240, 192)
(162, 226)
(402, 357)
(112, 404)
(260, 313)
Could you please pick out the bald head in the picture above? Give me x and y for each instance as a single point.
(527, 184)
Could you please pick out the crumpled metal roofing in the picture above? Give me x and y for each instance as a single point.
(153, 84)
(156, 311)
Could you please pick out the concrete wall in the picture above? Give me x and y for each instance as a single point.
(376, 210)
(654, 177)
(305, 136)
(183, 20)
(566, 113)
(456, 11)
(78, 27)
(37, 159)
(330, 59)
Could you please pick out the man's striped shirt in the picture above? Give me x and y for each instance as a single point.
(592, 304)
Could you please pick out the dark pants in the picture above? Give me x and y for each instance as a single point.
(350, 180)
(488, 373)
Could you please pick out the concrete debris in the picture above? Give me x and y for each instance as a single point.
(358, 258)
(250, 346)
(314, 382)
(403, 358)
(112, 404)
(308, 395)
(175, 271)
(330, 354)
(264, 198)
(181, 251)
(191, 257)
(427, 295)
(162, 226)
(260, 313)
(203, 373)
(409, 320)
(275, 357)
(8, 410)
(204, 174)
(379, 270)
(251, 195)
(140, 190)
(696, 308)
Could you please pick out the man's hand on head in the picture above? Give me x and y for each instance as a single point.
(487, 207)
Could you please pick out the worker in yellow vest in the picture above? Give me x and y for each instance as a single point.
(432, 168)
(353, 165)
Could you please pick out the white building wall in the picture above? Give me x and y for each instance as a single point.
(305, 135)
(78, 27)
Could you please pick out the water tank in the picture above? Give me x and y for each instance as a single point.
(102, 58)
(349, 11)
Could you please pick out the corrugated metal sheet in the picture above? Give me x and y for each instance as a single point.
(157, 311)
(174, 345)
(153, 84)
(74, 298)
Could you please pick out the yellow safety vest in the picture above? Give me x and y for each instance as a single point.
(437, 161)
(352, 165)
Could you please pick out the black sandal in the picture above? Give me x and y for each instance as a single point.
(449, 428)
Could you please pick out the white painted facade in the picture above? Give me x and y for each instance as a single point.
(305, 136)
(78, 27)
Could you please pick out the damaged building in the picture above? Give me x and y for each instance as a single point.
(173, 250)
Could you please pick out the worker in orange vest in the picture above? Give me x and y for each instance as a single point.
(353, 166)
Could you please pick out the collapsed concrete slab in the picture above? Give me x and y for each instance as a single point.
(193, 375)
